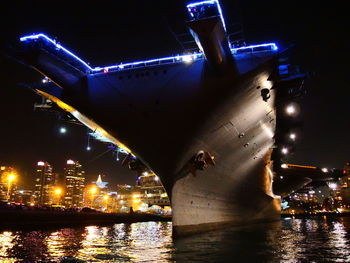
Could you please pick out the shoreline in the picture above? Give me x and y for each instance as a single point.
(19, 219)
(321, 214)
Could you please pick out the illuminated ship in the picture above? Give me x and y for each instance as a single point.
(204, 122)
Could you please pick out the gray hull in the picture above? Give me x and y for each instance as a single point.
(166, 114)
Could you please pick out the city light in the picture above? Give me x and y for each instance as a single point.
(301, 166)
(290, 110)
(40, 163)
(70, 162)
(333, 186)
(325, 170)
(63, 130)
(135, 196)
(284, 150)
(105, 197)
(58, 191)
(292, 136)
(284, 165)
(93, 190)
(88, 148)
(11, 177)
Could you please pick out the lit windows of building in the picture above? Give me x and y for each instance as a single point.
(24, 197)
(152, 190)
(44, 183)
(75, 182)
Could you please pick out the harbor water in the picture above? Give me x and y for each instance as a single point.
(317, 239)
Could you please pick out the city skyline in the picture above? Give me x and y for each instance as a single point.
(58, 173)
(72, 192)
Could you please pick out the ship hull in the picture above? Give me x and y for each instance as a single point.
(208, 201)
(236, 127)
(165, 115)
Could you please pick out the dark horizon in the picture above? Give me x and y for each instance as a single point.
(106, 34)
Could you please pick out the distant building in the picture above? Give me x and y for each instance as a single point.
(152, 191)
(100, 184)
(124, 199)
(25, 197)
(97, 195)
(345, 187)
(74, 184)
(44, 183)
(331, 194)
(7, 183)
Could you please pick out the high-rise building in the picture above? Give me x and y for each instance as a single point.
(75, 181)
(44, 183)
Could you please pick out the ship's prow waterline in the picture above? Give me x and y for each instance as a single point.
(203, 122)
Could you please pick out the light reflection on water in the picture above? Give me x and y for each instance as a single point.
(290, 240)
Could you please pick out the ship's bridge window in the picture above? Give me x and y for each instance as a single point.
(203, 11)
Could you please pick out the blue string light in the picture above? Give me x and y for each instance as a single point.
(210, 2)
(165, 60)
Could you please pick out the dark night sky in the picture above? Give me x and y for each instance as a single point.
(104, 33)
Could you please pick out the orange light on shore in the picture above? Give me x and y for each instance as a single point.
(11, 177)
(93, 190)
(58, 191)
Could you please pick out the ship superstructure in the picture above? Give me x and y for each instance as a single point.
(210, 117)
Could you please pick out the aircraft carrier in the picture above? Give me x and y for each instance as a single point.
(203, 121)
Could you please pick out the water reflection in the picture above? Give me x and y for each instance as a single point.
(290, 240)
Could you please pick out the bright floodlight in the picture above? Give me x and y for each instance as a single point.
(284, 150)
(63, 130)
(284, 166)
(290, 110)
(70, 162)
(325, 170)
(333, 186)
(292, 136)
(11, 177)
(40, 163)
(88, 148)
(187, 59)
(93, 190)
